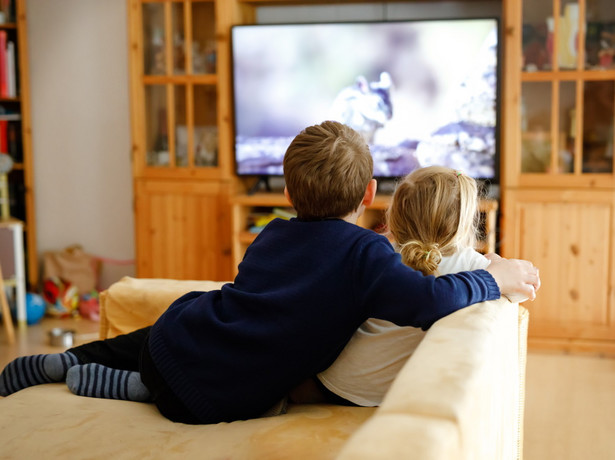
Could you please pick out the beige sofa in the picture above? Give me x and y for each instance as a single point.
(460, 396)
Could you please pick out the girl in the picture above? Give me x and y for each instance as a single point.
(433, 220)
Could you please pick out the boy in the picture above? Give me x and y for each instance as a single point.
(302, 290)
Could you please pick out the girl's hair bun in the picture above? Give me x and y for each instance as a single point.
(424, 257)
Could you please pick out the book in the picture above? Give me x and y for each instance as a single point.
(10, 116)
(3, 69)
(11, 84)
(4, 137)
(14, 142)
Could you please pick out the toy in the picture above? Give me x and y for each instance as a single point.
(62, 297)
(35, 308)
(89, 307)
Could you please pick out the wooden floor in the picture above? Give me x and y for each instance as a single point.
(569, 407)
(570, 400)
(35, 339)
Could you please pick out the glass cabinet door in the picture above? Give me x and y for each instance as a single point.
(599, 103)
(600, 38)
(536, 127)
(568, 35)
(154, 48)
(567, 87)
(537, 35)
(156, 125)
(567, 126)
(179, 84)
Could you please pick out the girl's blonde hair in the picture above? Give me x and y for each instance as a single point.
(433, 214)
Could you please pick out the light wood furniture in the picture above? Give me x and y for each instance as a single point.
(16, 114)
(558, 176)
(244, 205)
(182, 154)
(183, 201)
(558, 182)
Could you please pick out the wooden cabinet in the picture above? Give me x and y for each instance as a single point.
(245, 205)
(15, 126)
(568, 234)
(182, 231)
(559, 179)
(180, 102)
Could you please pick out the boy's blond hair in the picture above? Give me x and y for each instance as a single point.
(327, 168)
(433, 213)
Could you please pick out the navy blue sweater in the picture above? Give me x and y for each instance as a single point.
(301, 291)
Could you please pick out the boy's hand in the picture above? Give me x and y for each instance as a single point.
(514, 276)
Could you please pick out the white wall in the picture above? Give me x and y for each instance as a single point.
(81, 126)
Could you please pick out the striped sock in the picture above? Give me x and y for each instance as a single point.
(28, 371)
(98, 381)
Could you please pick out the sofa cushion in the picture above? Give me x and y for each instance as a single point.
(47, 421)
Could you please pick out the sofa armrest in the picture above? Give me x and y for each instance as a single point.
(133, 303)
(459, 396)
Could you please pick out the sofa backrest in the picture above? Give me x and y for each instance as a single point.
(133, 303)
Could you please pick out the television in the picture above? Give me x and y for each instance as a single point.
(421, 92)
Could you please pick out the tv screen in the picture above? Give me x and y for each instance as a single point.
(421, 92)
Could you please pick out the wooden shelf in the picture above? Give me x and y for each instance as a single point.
(243, 205)
(563, 75)
(261, 199)
(201, 79)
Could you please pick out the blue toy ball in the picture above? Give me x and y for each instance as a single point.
(35, 308)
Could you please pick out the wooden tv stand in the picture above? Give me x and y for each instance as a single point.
(243, 205)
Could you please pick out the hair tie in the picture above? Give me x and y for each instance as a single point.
(427, 254)
(459, 173)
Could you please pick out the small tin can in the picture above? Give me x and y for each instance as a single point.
(59, 337)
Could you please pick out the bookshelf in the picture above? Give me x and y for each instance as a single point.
(15, 125)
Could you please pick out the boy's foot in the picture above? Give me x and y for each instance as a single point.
(98, 381)
(28, 371)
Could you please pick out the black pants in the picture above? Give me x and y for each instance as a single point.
(130, 352)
